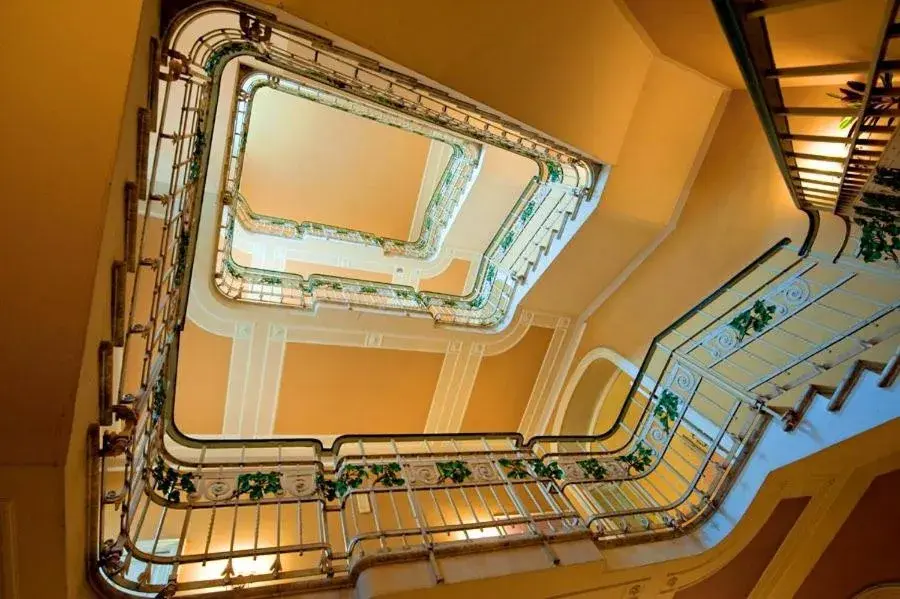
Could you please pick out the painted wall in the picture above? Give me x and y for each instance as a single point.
(736, 209)
(328, 389)
(503, 384)
(452, 280)
(306, 161)
(204, 359)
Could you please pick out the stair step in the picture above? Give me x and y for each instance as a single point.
(794, 415)
(850, 380)
(890, 372)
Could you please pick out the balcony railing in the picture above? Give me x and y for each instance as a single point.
(550, 209)
(452, 189)
(824, 167)
(176, 515)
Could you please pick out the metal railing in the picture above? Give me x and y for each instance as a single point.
(824, 169)
(565, 189)
(175, 515)
(453, 186)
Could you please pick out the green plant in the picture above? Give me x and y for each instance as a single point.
(367, 289)
(527, 211)
(514, 468)
(852, 95)
(456, 470)
(229, 266)
(450, 303)
(639, 458)
(755, 319)
(477, 302)
(491, 273)
(592, 468)
(889, 177)
(196, 154)
(257, 484)
(158, 400)
(170, 482)
(542, 470)
(506, 241)
(386, 474)
(336, 286)
(184, 240)
(880, 234)
(554, 172)
(351, 477)
(270, 280)
(666, 410)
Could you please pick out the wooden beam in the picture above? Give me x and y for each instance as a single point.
(776, 6)
(833, 139)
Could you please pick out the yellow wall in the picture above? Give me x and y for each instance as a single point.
(737, 208)
(574, 71)
(452, 280)
(327, 389)
(307, 268)
(204, 359)
(504, 382)
(306, 161)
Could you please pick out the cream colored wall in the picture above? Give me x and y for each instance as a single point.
(306, 161)
(307, 268)
(504, 383)
(329, 389)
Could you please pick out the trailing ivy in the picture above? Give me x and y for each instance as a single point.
(270, 280)
(258, 484)
(555, 172)
(368, 289)
(639, 458)
(216, 57)
(158, 400)
(527, 211)
(880, 230)
(592, 468)
(351, 477)
(888, 177)
(184, 239)
(755, 319)
(542, 470)
(666, 410)
(170, 482)
(515, 469)
(456, 470)
(506, 241)
(386, 474)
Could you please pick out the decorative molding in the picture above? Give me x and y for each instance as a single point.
(105, 382)
(118, 276)
(548, 366)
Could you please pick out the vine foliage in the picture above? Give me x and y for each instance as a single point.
(666, 410)
(755, 319)
(258, 484)
(456, 471)
(170, 482)
(639, 458)
(592, 468)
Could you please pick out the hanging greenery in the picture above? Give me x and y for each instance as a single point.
(368, 289)
(880, 234)
(639, 458)
(852, 96)
(888, 177)
(515, 469)
(555, 172)
(386, 474)
(456, 470)
(184, 239)
(542, 470)
(755, 319)
(158, 400)
(351, 477)
(257, 484)
(270, 280)
(170, 482)
(592, 468)
(527, 211)
(666, 410)
(506, 241)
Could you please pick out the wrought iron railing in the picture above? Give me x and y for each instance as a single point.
(550, 209)
(827, 151)
(452, 188)
(176, 515)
